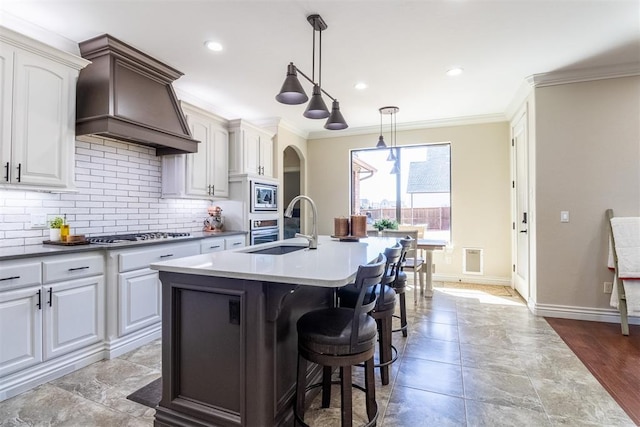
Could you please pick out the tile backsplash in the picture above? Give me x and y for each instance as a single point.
(119, 189)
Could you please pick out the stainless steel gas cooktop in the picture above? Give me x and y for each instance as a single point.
(118, 238)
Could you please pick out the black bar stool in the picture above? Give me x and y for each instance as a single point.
(382, 311)
(341, 336)
(400, 284)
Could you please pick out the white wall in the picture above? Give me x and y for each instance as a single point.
(119, 188)
(480, 182)
(587, 142)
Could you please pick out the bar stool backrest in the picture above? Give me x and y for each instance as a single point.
(367, 278)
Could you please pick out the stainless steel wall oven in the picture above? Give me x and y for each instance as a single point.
(263, 231)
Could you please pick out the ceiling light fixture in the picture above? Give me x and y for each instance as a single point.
(391, 111)
(292, 92)
(214, 46)
(361, 86)
(454, 71)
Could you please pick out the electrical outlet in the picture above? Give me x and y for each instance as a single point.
(38, 220)
(608, 287)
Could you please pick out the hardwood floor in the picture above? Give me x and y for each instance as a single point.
(614, 359)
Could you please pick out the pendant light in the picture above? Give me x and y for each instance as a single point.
(391, 111)
(292, 92)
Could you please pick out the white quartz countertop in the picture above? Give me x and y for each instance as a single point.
(332, 264)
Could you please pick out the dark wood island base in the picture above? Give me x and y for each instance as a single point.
(229, 349)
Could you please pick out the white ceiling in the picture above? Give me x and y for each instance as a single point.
(400, 48)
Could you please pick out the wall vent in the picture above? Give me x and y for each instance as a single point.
(472, 261)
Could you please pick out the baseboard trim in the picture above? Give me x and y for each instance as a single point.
(118, 347)
(482, 280)
(607, 315)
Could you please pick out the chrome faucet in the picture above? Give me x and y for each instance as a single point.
(313, 239)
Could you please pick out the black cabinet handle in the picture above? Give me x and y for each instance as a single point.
(166, 256)
(236, 243)
(19, 171)
(50, 296)
(78, 268)
(10, 278)
(6, 172)
(39, 304)
(214, 247)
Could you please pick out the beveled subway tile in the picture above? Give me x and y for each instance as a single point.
(495, 359)
(586, 401)
(411, 407)
(504, 389)
(420, 347)
(439, 331)
(489, 414)
(437, 377)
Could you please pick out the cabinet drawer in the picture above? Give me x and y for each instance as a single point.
(72, 268)
(211, 245)
(234, 242)
(136, 259)
(15, 274)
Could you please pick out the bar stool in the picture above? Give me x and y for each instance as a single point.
(400, 284)
(383, 310)
(343, 337)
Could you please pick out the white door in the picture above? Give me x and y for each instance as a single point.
(220, 162)
(41, 137)
(198, 182)
(74, 315)
(20, 329)
(139, 300)
(521, 215)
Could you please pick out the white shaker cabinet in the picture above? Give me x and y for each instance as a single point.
(37, 127)
(205, 174)
(250, 150)
(63, 314)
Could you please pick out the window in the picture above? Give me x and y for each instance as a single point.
(419, 195)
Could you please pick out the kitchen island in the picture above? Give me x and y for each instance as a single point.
(229, 342)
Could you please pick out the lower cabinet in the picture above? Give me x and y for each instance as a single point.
(40, 323)
(140, 301)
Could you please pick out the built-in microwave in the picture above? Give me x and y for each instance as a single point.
(264, 197)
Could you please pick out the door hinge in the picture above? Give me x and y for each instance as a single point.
(513, 225)
(513, 184)
(512, 142)
(514, 268)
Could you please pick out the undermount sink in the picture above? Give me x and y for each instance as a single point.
(277, 250)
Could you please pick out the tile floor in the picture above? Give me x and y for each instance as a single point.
(472, 358)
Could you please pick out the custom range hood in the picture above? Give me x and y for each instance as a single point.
(126, 95)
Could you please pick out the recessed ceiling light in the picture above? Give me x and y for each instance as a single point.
(454, 71)
(214, 46)
(361, 86)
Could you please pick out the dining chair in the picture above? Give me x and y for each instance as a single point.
(413, 261)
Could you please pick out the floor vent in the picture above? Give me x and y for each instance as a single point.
(472, 261)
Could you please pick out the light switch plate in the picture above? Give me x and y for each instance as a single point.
(564, 216)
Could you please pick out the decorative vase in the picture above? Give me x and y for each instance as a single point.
(54, 234)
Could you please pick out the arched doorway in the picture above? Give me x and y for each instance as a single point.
(291, 187)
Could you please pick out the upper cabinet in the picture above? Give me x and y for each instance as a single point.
(251, 149)
(204, 174)
(37, 125)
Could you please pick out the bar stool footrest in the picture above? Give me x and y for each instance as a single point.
(371, 423)
(379, 365)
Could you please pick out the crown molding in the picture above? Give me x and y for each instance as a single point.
(457, 121)
(35, 32)
(277, 123)
(584, 75)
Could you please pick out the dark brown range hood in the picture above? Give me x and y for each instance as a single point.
(126, 95)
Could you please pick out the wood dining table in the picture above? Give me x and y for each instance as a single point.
(428, 246)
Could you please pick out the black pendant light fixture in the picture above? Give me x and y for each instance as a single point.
(292, 92)
(391, 111)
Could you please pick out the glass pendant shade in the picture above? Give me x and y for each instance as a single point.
(391, 156)
(335, 120)
(292, 92)
(381, 143)
(316, 109)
